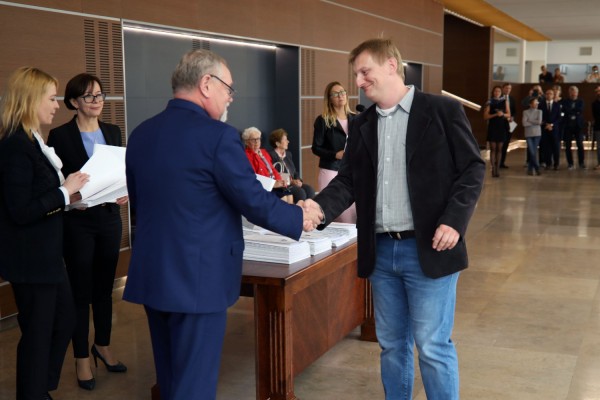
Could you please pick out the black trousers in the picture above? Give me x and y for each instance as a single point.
(573, 132)
(46, 319)
(91, 251)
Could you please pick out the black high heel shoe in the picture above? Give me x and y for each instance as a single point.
(88, 384)
(118, 367)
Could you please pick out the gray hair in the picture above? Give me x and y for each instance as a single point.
(248, 131)
(193, 66)
(574, 88)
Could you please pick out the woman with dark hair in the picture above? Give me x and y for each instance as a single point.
(329, 140)
(33, 193)
(92, 235)
(496, 112)
(283, 162)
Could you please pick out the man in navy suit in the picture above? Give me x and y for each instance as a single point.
(189, 183)
(550, 130)
(415, 171)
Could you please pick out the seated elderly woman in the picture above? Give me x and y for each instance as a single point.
(283, 162)
(262, 164)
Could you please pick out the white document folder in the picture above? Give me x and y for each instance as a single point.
(107, 183)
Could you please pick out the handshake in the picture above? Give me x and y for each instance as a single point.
(312, 213)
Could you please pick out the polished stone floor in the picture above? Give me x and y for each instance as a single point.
(527, 321)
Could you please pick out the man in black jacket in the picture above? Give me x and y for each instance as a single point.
(415, 172)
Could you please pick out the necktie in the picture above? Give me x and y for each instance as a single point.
(549, 107)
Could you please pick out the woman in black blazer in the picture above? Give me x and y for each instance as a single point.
(33, 193)
(329, 140)
(92, 235)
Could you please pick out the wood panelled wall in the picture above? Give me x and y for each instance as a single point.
(65, 38)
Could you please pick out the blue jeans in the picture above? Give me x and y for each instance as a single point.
(532, 149)
(410, 309)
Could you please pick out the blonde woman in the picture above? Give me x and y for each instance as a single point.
(329, 140)
(33, 193)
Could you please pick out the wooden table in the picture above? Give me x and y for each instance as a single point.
(301, 311)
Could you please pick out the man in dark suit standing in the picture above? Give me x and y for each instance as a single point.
(189, 184)
(512, 106)
(415, 172)
(574, 124)
(550, 130)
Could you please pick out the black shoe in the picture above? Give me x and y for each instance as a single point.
(582, 166)
(118, 367)
(88, 384)
(47, 397)
(556, 167)
(529, 172)
(504, 166)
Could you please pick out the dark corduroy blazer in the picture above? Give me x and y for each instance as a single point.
(445, 174)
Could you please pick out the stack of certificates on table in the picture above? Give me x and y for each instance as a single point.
(318, 242)
(274, 248)
(340, 233)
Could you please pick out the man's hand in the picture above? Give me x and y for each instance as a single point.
(312, 214)
(445, 238)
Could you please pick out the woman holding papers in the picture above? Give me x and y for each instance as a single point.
(33, 193)
(92, 235)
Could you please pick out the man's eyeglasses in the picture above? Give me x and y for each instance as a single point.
(90, 98)
(230, 90)
(338, 94)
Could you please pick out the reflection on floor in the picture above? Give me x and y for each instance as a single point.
(527, 322)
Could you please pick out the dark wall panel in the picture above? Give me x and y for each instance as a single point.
(467, 66)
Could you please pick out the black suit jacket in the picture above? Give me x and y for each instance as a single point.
(31, 203)
(328, 141)
(67, 142)
(550, 116)
(445, 175)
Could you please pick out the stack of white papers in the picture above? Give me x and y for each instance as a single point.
(340, 233)
(107, 183)
(349, 228)
(275, 249)
(318, 242)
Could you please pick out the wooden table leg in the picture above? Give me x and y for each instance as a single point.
(367, 328)
(273, 339)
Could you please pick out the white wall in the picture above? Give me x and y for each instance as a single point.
(567, 52)
(536, 50)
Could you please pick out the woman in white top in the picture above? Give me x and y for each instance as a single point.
(532, 121)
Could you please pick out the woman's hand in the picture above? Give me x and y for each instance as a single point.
(75, 181)
(279, 184)
(297, 182)
(339, 155)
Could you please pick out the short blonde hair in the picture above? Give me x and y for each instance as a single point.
(24, 92)
(381, 50)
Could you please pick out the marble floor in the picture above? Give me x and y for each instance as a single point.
(527, 320)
